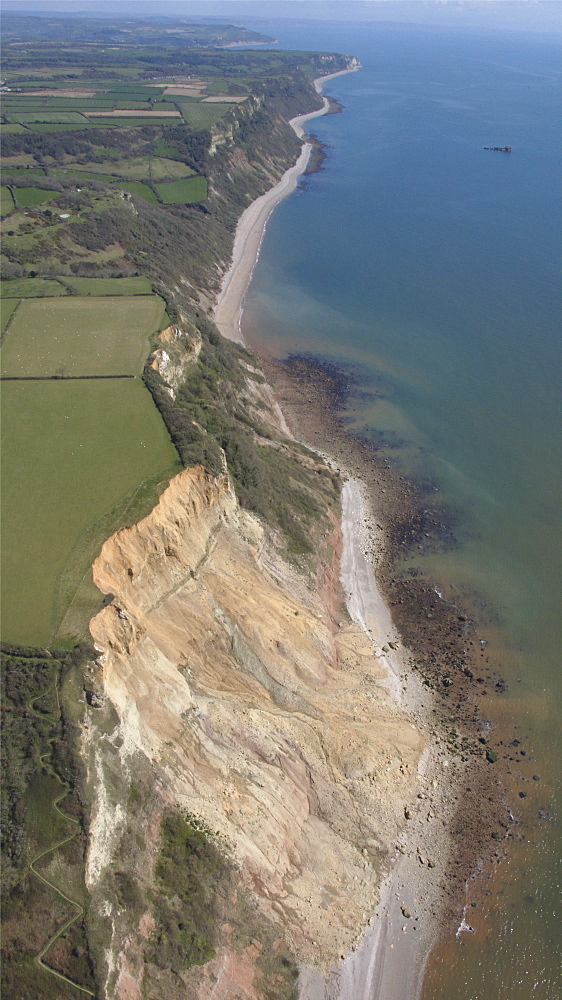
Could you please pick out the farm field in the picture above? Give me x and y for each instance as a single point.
(141, 190)
(28, 288)
(183, 192)
(7, 307)
(31, 117)
(109, 286)
(29, 197)
(81, 335)
(88, 175)
(139, 169)
(134, 121)
(24, 171)
(79, 459)
(60, 127)
(203, 115)
(6, 201)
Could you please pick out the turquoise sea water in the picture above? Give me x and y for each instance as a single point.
(432, 269)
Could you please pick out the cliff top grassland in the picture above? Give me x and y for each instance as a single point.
(129, 151)
(101, 205)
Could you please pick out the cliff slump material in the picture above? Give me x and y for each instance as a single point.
(260, 710)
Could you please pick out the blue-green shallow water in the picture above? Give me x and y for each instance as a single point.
(432, 267)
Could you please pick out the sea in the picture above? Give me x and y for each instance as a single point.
(429, 269)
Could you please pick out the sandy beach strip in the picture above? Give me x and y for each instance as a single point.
(389, 961)
(251, 228)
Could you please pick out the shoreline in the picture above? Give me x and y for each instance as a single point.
(431, 871)
(458, 790)
(374, 969)
(250, 231)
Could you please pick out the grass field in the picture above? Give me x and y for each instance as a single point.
(24, 171)
(127, 121)
(55, 117)
(74, 455)
(161, 167)
(7, 307)
(183, 192)
(30, 288)
(18, 160)
(28, 197)
(109, 286)
(203, 115)
(141, 168)
(133, 187)
(50, 127)
(6, 201)
(142, 190)
(87, 175)
(81, 336)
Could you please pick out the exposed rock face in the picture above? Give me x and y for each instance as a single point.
(261, 713)
(181, 346)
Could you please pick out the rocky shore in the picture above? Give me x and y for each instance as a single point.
(459, 822)
(460, 825)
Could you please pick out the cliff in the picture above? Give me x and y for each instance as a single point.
(261, 709)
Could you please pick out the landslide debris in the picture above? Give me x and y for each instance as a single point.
(256, 710)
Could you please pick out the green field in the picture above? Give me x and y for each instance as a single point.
(86, 124)
(28, 197)
(74, 456)
(142, 190)
(7, 307)
(24, 171)
(6, 201)
(11, 128)
(54, 117)
(203, 115)
(86, 175)
(127, 122)
(133, 187)
(81, 336)
(140, 169)
(183, 192)
(30, 288)
(109, 286)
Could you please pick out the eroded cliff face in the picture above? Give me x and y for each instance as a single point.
(261, 708)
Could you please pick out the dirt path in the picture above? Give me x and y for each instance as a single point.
(73, 902)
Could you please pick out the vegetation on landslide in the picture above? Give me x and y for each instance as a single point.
(195, 892)
(213, 414)
(189, 870)
(43, 827)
